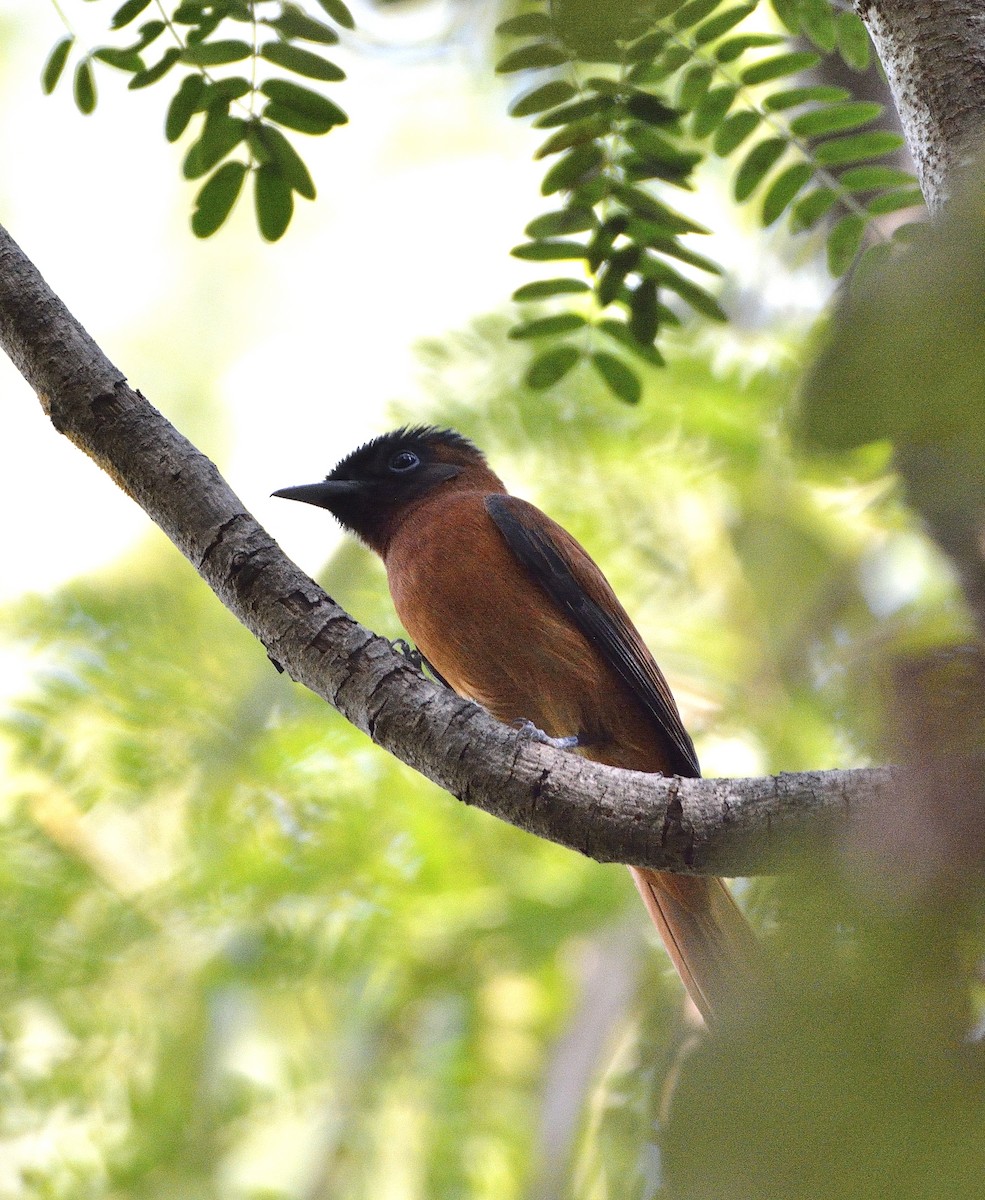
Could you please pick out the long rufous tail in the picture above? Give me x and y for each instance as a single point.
(714, 950)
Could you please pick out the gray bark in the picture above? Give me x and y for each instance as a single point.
(933, 53)
(714, 826)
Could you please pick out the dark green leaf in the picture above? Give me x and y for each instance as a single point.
(189, 14)
(866, 179)
(872, 259)
(215, 200)
(694, 12)
(293, 23)
(220, 92)
(157, 71)
(652, 145)
(853, 41)
(290, 118)
(836, 117)
(339, 13)
(274, 202)
(566, 220)
(305, 102)
(844, 241)
(183, 106)
(644, 312)
(613, 274)
(543, 289)
(568, 170)
(648, 208)
(531, 57)
(857, 147)
(548, 95)
(733, 131)
(591, 191)
(650, 108)
(783, 189)
(591, 106)
(818, 22)
(779, 66)
(694, 84)
(755, 166)
(812, 208)
(719, 25)
(665, 276)
(123, 60)
(551, 326)
(711, 111)
(646, 48)
(214, 54)
(621, 333)
(683, 253)
(56, 64)
(548, 251)
(674, 57)
(220, 135)
(575, 134)
(735, 47)
(301, 62)
(676, 170)
(621, 380)
(789, 13)
(792, 97)
(894, 201)
(551, 367)
(531, 24)
(85, 87)
(128, 12)
(269, 145)
(150, 31)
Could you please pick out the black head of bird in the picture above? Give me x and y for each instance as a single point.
(380, 482)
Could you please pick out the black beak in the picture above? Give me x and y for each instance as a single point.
(324, 494)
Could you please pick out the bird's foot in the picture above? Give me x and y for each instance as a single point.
(411, 653)
(530, 730)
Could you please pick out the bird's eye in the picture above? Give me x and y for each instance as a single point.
(404, 460)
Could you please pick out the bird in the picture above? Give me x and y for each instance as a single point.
(509, 610)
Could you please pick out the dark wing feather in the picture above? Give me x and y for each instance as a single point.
(570, 577)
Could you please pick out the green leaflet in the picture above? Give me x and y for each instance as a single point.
(547, 326)
(55, 65)
(779, 66)
(844, 241)
(216, 199)
(835, 117)
(856, 148)
(274, 202)
(339, 13)
(756, 165)
(301, 62)
(268, 144)
(783, 189)
(84, 89)
(621, 380)
(544, 289)
(551, 366)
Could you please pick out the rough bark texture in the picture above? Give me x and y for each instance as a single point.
(714, 826)
(933, 53)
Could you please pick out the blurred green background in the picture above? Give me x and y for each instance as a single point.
(247, 955)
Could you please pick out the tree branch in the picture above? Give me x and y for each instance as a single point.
(933, 53)
(715, 826)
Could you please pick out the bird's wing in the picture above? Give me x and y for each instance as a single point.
(573, 581)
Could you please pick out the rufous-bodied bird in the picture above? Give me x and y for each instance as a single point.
(511, 612)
